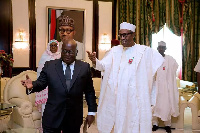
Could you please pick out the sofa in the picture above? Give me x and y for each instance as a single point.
(186, 88)
(25, 114)
(194, 104)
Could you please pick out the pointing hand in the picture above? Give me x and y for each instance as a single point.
(92, 56)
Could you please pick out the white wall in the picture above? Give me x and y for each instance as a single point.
(105, 23)
(20, 22)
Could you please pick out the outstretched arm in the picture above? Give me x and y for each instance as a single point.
(38, 85)
(100, 64)
(90, 98)
(92, 57)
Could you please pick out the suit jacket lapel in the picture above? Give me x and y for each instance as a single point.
(77, 69)
(59, 70)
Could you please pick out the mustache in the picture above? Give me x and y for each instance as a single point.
(64, 35)
(124, 40)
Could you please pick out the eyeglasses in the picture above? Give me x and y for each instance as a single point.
(71, 52)
(53, 45)
(161, 47)
(124, 34)
(68, 31)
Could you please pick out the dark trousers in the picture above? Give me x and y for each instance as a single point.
(67, 126)
(65, 129)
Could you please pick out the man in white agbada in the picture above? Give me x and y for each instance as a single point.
(197, 69)
(125, 97)
(167, 92)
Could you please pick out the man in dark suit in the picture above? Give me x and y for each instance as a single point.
(67, 79)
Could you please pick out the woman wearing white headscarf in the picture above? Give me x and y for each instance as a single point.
(51, 53)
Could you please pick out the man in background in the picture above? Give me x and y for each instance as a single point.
(67, 31)
(167, 98)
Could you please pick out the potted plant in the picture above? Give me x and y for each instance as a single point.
(6, 64)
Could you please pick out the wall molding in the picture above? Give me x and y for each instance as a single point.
(6, 25)
(32, 34)
(95, 36)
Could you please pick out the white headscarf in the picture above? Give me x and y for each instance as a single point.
(47, 56)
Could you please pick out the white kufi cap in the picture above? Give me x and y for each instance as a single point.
(161, 43)
(127, 26)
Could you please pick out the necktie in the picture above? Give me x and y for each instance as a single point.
(68, 76)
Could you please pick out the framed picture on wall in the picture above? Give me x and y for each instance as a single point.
(76, 19)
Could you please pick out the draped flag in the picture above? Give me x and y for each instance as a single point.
(53, 25)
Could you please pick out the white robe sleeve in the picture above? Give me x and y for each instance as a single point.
(105, 62)
(175, 66)
(197, 67)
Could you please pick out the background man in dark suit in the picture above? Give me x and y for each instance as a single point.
(67, 79)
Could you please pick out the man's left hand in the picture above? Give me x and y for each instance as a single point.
(90, 119)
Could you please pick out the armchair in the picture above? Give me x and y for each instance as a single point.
(25, 114)
(194, 104)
